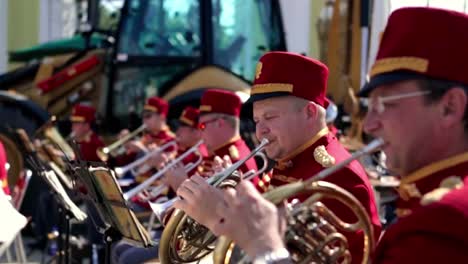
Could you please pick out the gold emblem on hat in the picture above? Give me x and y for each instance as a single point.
(233, 152)
(322, 157)
(446, 186)
(258, 70)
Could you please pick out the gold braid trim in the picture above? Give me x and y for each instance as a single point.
(399, 63)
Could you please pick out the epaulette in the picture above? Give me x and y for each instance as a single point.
(322, 157)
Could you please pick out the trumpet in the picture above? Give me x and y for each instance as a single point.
(147, 183)
(120, 171)
(184, 240)
(314, 233)
(116, 148)
(161, 209)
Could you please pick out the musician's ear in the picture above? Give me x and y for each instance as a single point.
(311, 110)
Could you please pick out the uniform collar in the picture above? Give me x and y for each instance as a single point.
(435, 167)
(305, 146)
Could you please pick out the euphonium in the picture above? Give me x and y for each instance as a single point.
(184, 240)
(314, 233)
(138, 167)
(116, 148)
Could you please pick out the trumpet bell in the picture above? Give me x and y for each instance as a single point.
(103, 154)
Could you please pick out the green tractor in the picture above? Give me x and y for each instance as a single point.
(130, 50)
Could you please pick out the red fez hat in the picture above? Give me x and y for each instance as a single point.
(220, 101)
(286, 73)
(157, 105)
(421, 43)
(190, 116)
(83, 113)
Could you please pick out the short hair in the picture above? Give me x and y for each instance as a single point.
(233, 121)
(437, 89)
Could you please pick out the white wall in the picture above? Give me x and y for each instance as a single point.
(296, 20)
(3, 35)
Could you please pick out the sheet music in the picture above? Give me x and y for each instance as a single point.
(11, 221)
(121, 216)
(51, 177)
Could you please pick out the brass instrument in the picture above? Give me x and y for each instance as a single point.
(117, 148)
(148, 182)
(46, 153)
(133, 166)
(49, 131)
(183, 239)
(314, 233)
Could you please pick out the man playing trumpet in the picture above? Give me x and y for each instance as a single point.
(82, 118)
(157, 133)
(289, 104)
(417, 103)
(219, 125)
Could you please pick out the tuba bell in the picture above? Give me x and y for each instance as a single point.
(314, 233)
(183, 239)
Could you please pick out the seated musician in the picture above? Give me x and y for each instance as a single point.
(157, 133)
(82, 118)
(219, 124)
(289, 105)
(187, 135)
(417, 92)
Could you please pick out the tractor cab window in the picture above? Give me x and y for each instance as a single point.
(243, 31)
(161, 28)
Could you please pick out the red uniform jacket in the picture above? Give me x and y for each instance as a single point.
(304, 163)
(161, 138)
(89, 146)
(3, 171)
(433, 216)
(193, 157)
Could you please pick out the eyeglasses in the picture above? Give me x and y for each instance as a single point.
(202, 125)
(147, 115)
(377, 104)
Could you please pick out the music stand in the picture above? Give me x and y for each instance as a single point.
(104, 192)
(67, 208)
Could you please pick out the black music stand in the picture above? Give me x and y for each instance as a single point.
(67, 208)
(104, 192)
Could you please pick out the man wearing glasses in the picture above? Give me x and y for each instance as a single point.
(289, 105)
(418, 97)
(219, 125)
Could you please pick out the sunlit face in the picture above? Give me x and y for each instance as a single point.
(80, 129)
(211, 127)
(187, 136)
(407, 125)
(281, 122)
(152, 120)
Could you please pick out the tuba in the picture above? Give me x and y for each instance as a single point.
(117, 148)
(314, 233)
(183, 239)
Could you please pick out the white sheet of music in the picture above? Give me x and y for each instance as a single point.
(11, 221)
